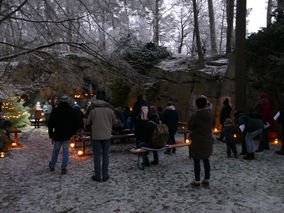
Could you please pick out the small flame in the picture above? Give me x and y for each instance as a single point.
(80, 153)
(187, 140)
(2, 154)
(14, 144)
(276, 141)
(72, 145)
(235, 135)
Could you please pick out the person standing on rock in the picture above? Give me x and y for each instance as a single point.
(201, 125)
(62, 125)
(101, 118)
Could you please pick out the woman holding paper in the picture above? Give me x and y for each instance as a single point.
(264, 108)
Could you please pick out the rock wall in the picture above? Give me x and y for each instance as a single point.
(38, 78)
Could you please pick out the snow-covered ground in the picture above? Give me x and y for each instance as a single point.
(27, 185)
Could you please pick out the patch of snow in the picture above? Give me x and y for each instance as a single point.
(221, 61)
(214, 70)
(177, 64)
(236, 185)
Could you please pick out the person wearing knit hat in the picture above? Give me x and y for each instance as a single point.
(101, 120)
(229, 130)
(201, 124)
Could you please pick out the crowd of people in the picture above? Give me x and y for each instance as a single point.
(103, 120)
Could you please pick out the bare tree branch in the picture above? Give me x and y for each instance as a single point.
(27, 51)
(47, 21)
(13, 12)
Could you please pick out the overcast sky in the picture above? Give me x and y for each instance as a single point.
(257, 17)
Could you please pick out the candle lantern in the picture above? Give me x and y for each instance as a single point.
(80, 153)
(2, 154)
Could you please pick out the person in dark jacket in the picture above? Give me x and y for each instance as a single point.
(62, 125)
(80, 116)
(253, 125)
(137, 120)
(170, 118)
(229, 131)
(148, 134)
(264, 108)
(225, 113)
(201, 125)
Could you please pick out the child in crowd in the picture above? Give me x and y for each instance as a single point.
(229, 130)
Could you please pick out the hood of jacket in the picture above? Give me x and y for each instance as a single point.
(171, 107)
(101, 103)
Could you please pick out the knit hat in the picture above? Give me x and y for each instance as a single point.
(64, 99)
(101, 95)
(228, 121)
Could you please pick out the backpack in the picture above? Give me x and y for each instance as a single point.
(160, 135)
(144, 113)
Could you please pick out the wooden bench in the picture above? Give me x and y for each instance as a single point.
(84, 136)
(143, 151)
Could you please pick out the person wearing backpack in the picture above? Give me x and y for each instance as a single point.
(170, 118)
(139, 118)
(201, 124)
(152, 136)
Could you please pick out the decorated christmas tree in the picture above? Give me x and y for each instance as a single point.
(13, 110)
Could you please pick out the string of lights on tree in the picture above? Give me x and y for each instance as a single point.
(13, 109)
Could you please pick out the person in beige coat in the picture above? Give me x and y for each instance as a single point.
(201, 125)
(101, 119)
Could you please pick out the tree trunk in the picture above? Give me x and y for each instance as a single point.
(196, 29)
(156, 23)
(212, 28)
(240, 66)
(230, 24)
(102, 36)
(280, 5)
(181, 38)
(222, 30)
(269, 13)
(126, 15)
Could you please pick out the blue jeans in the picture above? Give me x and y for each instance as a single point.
(197, 169)
(65, 153)
(98, 146)
(249, 139)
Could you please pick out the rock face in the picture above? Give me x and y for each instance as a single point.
(175, 80)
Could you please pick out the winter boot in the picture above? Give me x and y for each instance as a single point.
(248, 156)
(195, 184)
(252, 156)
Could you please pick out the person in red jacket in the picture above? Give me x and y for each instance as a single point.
(264, 108)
